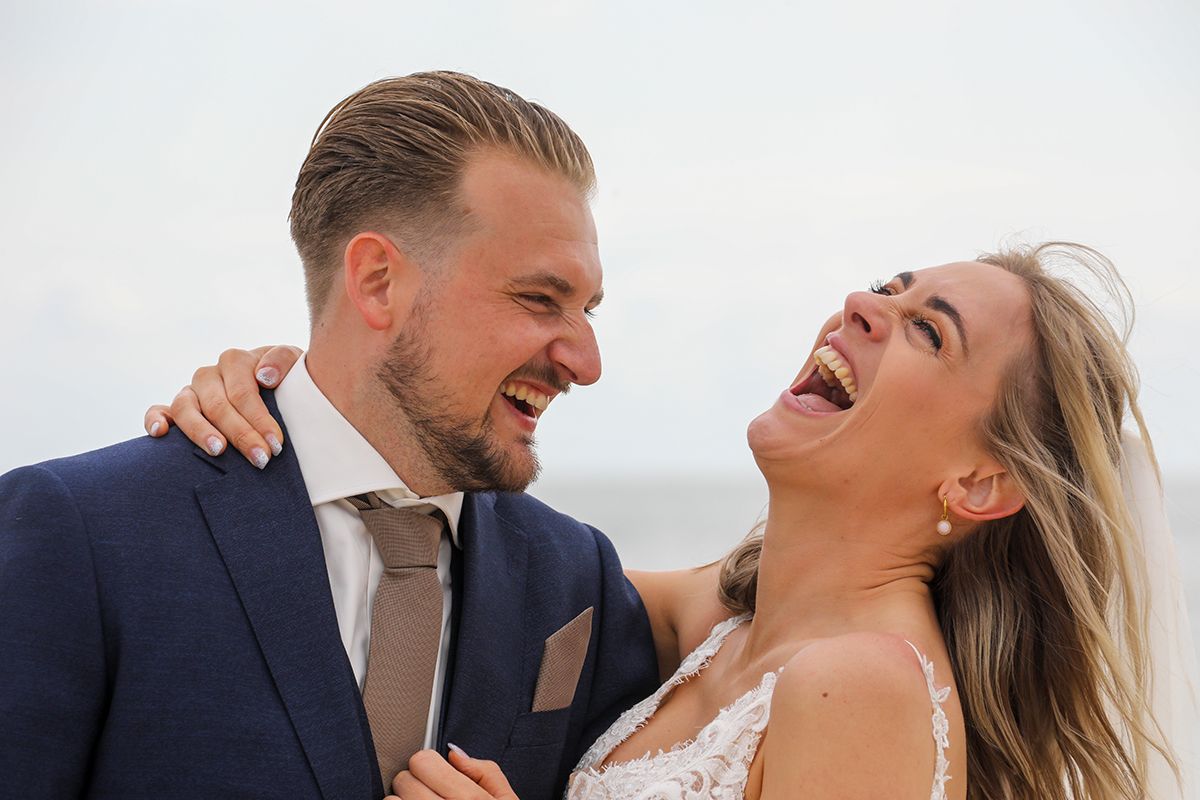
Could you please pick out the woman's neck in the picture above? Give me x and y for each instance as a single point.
(830, 567)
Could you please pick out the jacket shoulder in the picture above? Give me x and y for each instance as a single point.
(137, 465)
(546, 528)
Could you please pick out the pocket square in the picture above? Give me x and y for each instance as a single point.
(562, 661)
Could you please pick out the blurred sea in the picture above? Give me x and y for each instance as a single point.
(680, 523)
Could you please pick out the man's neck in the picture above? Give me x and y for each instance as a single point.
(349, 389)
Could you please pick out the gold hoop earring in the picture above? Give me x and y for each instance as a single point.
(943, 526)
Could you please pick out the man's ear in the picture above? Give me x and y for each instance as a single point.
(987, 493)
(381, 281)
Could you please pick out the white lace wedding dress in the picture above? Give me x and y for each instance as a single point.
(716, 764)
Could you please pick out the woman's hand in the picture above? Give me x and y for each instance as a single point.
(431, 777)
(222, 404)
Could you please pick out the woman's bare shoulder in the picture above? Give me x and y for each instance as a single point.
(850, 717)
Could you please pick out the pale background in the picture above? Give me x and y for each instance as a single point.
(755, 165)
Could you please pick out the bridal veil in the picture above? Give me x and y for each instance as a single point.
(1172, 651)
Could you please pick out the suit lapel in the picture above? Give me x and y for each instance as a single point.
(485, 687)
(264, 527)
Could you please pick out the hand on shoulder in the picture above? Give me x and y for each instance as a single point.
(851, 717)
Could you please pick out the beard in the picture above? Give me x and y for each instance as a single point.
(463, 451)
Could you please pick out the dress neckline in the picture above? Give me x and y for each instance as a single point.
(695, 663)
(760, 695)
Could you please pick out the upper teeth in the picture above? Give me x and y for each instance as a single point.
(835, 371)
(526, 393)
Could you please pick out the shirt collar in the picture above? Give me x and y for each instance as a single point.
(335, 460)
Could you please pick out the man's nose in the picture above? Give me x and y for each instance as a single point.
(577, 355)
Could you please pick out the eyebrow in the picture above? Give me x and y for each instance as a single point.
(940, 304)
(559, 284)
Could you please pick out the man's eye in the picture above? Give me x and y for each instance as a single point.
(879, 287)
(538, 299)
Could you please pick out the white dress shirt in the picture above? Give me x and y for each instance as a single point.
(337, 462)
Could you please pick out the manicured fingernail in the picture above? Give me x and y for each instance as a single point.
(214, 445)
(154, 428)
(457, 749)
(273, 441)
(259, 457)
(267, 376)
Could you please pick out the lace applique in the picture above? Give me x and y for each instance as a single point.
(716, 763)
(941, 726)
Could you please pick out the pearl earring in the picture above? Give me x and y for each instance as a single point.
(943, 526)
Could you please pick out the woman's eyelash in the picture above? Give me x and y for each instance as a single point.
(929, 330)
(926, 327)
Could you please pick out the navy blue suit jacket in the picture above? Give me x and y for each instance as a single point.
(167, 630)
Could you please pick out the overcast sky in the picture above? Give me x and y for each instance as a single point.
(754, 167)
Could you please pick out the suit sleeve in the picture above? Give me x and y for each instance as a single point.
(626, 665)
(52, 663)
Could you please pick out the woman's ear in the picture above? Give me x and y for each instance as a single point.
(381, 281)
(988, 493)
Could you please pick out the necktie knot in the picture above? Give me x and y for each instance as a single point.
(406, 538)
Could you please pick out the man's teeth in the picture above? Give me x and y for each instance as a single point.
(834, 371)
(526, 393)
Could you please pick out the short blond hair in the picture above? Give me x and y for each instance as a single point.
(390, 157)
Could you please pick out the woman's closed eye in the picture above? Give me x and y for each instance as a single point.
(926, 327)
(930, 330)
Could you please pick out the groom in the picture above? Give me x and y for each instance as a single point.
(179, 624)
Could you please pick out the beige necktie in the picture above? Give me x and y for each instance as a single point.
(406, 630)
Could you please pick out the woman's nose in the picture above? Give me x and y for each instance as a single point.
(864, 313)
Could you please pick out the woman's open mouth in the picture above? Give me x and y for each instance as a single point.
(831, 386)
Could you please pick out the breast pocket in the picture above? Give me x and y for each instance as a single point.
(532, 759)
(539, 728)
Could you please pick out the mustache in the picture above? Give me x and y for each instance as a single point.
(543, 374)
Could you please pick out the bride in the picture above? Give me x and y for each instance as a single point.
(948, 596)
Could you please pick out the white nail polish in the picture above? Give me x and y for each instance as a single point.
(267, 376)
(259, 457)
(214, 446)
(457, 749)
(154, 428)
(273, 441)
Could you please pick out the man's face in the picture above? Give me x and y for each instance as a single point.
(502, 329)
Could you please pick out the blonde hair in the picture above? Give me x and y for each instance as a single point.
(391, 156)
(1041, 611)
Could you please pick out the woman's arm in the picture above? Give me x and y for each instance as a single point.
(683, 606)
(222, 404)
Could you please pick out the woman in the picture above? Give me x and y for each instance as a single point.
(945, 598)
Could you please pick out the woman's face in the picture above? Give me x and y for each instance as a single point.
(915, 364)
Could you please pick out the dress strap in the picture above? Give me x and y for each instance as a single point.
(698, 659)
(941, 725)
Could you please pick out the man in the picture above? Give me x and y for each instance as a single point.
(177, 623)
